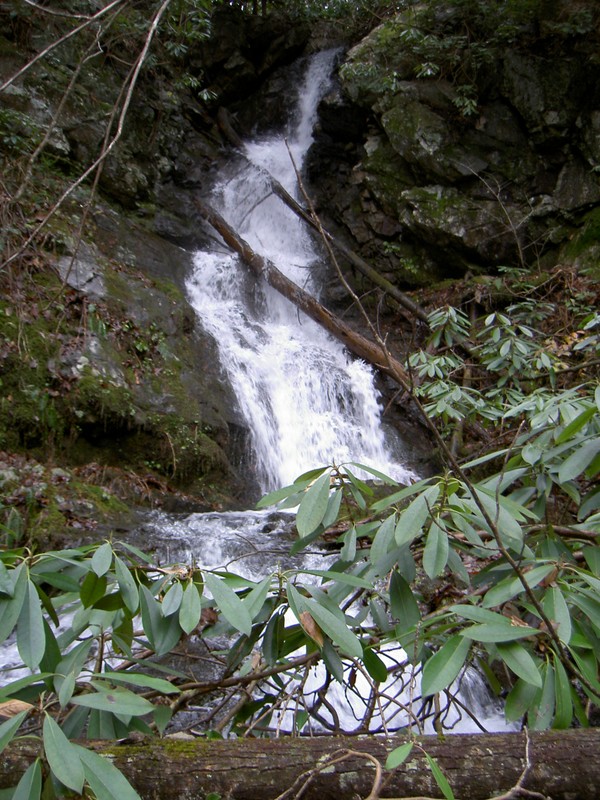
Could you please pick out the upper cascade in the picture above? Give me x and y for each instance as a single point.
(305, 400)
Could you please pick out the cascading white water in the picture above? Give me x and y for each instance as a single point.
(306, 401)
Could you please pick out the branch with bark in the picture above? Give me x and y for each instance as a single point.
(263, 268)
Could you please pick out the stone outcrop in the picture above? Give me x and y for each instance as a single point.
(432, 177)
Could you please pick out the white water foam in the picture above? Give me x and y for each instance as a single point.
(306, 401)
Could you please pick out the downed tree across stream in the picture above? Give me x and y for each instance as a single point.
(359, 263)
(362, 347)
(562, 765)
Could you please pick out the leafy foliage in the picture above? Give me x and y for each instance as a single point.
(517, 544)
(458, 41)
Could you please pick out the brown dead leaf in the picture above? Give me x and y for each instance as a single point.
(13, 707)
(311, 628)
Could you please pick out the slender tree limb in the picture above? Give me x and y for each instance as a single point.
(311, 219)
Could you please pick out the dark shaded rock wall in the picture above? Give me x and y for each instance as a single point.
(427, 191)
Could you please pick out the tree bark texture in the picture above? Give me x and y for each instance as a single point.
(563, 765)
(263, 268)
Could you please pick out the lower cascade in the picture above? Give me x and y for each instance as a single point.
(306, 403)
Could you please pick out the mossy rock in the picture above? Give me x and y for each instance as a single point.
(583, 247)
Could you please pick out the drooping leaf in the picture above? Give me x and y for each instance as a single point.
(9, 728)
(540, 716)
(506, 520)
(66, 690)
(117, 701)
(443, 667)
(335, 628)
(72, 663)
(7, 589)
(333, 508)
(102, 725)
(172, 600)
(163, 632)
(591, 553)
(31, 637)
(511, 586)
(578, 461)
(348, 552)
(275, 497)
(440, 778)
(476, 613)
(403, 603)
(273, 638)
(563, 697)
(93, 588)
(381, 476)
(575, 425)
(162, 717)
(311, 628)
(191, 608)
(29, 685)
(127, 585)
(435, 555)
(75, 722)
(229, 604)
(102, 559)
(313, 506)
(498, 632)
(402, 494)
(30, 785)
(383, 540)
(399, 755)
(457, 568)
(255, 599)
(520, 699)
(340, 577)
(104, 778)
(11, 609)
(374, 665)
(52, 653)
(558, 612)
(412, 519)
(139, 679)
(333, 662)
(62, 756)
(519, 660)
(296, 601)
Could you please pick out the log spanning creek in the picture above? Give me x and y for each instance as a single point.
(307, 403)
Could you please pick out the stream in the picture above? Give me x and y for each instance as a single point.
(307, 403)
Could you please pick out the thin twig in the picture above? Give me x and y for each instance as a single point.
(106, 150)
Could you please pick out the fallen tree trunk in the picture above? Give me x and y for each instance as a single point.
(361, 265)
(562, 765)
(362, 347)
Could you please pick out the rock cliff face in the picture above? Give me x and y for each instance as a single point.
(496, 164)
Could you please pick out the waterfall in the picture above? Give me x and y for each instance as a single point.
(306, 401)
